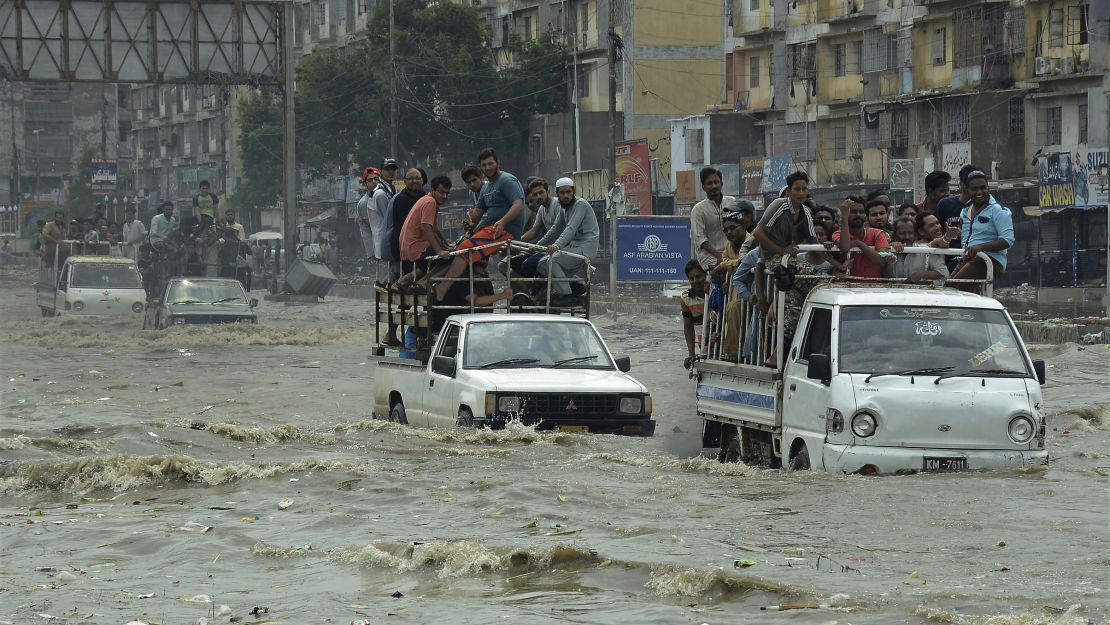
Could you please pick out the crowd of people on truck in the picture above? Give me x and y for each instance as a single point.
(402, 239)
(207, 231)
(737, 260)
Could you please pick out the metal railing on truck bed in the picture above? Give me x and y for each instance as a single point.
(418, 311)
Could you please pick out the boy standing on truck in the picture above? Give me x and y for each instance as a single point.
(692, 303)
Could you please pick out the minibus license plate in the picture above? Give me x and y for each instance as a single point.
(940, 465)
(581, 429)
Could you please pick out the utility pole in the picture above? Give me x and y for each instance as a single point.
(16, 196)
(289, 145)
(392, 88)
(611, 148)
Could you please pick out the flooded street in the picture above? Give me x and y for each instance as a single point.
(161, 476)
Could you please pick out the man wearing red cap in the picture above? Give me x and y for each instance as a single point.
(366, 216)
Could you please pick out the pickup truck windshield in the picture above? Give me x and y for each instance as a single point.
(116, 276)
(896, 339)
(205, 292)
(564, 345)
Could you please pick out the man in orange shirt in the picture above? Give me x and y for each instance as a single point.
(420, 237)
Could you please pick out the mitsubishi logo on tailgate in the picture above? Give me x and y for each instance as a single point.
(570, 406)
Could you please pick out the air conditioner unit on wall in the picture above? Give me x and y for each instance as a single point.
(1041, 66)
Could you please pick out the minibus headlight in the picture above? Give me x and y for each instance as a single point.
(1021, 429)
(864, 424)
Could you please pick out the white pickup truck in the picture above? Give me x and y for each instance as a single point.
(548, 371)
(880, 379)
(91, 285)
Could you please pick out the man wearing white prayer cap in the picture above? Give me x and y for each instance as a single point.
(575, 232)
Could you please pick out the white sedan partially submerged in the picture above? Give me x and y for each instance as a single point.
(548, 371)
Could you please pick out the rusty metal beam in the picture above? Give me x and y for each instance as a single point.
(143, 41)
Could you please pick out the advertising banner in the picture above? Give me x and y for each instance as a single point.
(752, 174)
(634, 173)
(102, 176)
(775, 171)
(730, 178)
(1071, 180)
(652, 249)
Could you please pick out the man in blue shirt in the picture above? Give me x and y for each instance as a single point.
(501, 203)
(987, 227)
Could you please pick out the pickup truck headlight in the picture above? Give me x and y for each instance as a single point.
(631, 405)
(508, 403)
(179, 321)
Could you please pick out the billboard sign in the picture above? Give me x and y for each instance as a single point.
(634, 174)
(752, 168)
(652, 249)
(102, 176)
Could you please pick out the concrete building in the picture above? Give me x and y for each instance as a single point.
(44, 127)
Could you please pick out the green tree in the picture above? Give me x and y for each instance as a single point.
(79, 198)
(260, 140)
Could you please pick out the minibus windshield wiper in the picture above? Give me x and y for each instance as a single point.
(924, 371)
(1002, 373)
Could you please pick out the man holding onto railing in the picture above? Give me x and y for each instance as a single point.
(502, 206)
(987, 227)
(872, 258)
(575, 232)
(420, 237)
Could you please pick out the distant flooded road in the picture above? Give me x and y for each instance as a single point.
(200, 473)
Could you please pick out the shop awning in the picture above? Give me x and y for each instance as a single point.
(1037, 211)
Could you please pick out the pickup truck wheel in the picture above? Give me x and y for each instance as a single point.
(397, 415)
(800, 461)
(466, 419)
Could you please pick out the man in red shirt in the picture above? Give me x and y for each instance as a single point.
(420, 238)
(872, 257)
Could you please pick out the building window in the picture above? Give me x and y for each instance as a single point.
(803, 59)
(1017, 116)
(585, 8)
(1078, 18)
(900, 129)
(840, 60)
(855, 56)
(1056, 28)
(753, 72)
(535, 149)
(940, 46)
(527, 27)
(754, 5)
(1015, 30)
(840, 143)
(583, 82)
(1049, 126)
(1082, 123)
(363, 6)
(319, 14)
(956, 114)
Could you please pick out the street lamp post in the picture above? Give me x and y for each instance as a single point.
(38, 165)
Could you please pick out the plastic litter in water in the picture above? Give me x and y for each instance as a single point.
(285, 503)
(65, 577)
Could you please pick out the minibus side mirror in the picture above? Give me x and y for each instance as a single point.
(1038, 368)
(820, 368)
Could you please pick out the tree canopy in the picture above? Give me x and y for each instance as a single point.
(452, 98)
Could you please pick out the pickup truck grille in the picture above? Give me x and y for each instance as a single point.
(537, 406)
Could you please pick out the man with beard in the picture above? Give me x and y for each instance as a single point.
(52, 236)
(379, 213)
(575, 232)
(869, 242)
(987, 227)
(399, 209)
(706, 236)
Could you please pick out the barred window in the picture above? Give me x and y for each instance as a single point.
(1017, 116)
(1078, 18)
(956, 119)
(1049, 126)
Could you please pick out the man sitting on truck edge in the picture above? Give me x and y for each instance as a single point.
(575, 232)
(502, 206)
(420, 237)
(52, 236)
(987, 227)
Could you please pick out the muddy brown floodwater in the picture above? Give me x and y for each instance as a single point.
(199, 473)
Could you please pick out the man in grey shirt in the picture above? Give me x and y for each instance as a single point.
(576, 232)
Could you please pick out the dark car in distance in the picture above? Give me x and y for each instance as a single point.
(189, 301)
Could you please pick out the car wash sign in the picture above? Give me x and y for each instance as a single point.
(652, 249)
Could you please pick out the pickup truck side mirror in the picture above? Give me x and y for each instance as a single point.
(1038, 368)
(820, 368)
(444, 365)
(254, 302)
(624, 363)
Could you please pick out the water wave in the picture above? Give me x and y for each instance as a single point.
(514, 432)
(668, 581)
(123, 472)
(23, 441)
(268, 435)
(267, 550)
(466, 558)
(73, 332)
(704, 466)
(1070, 616)
(1091, 417)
